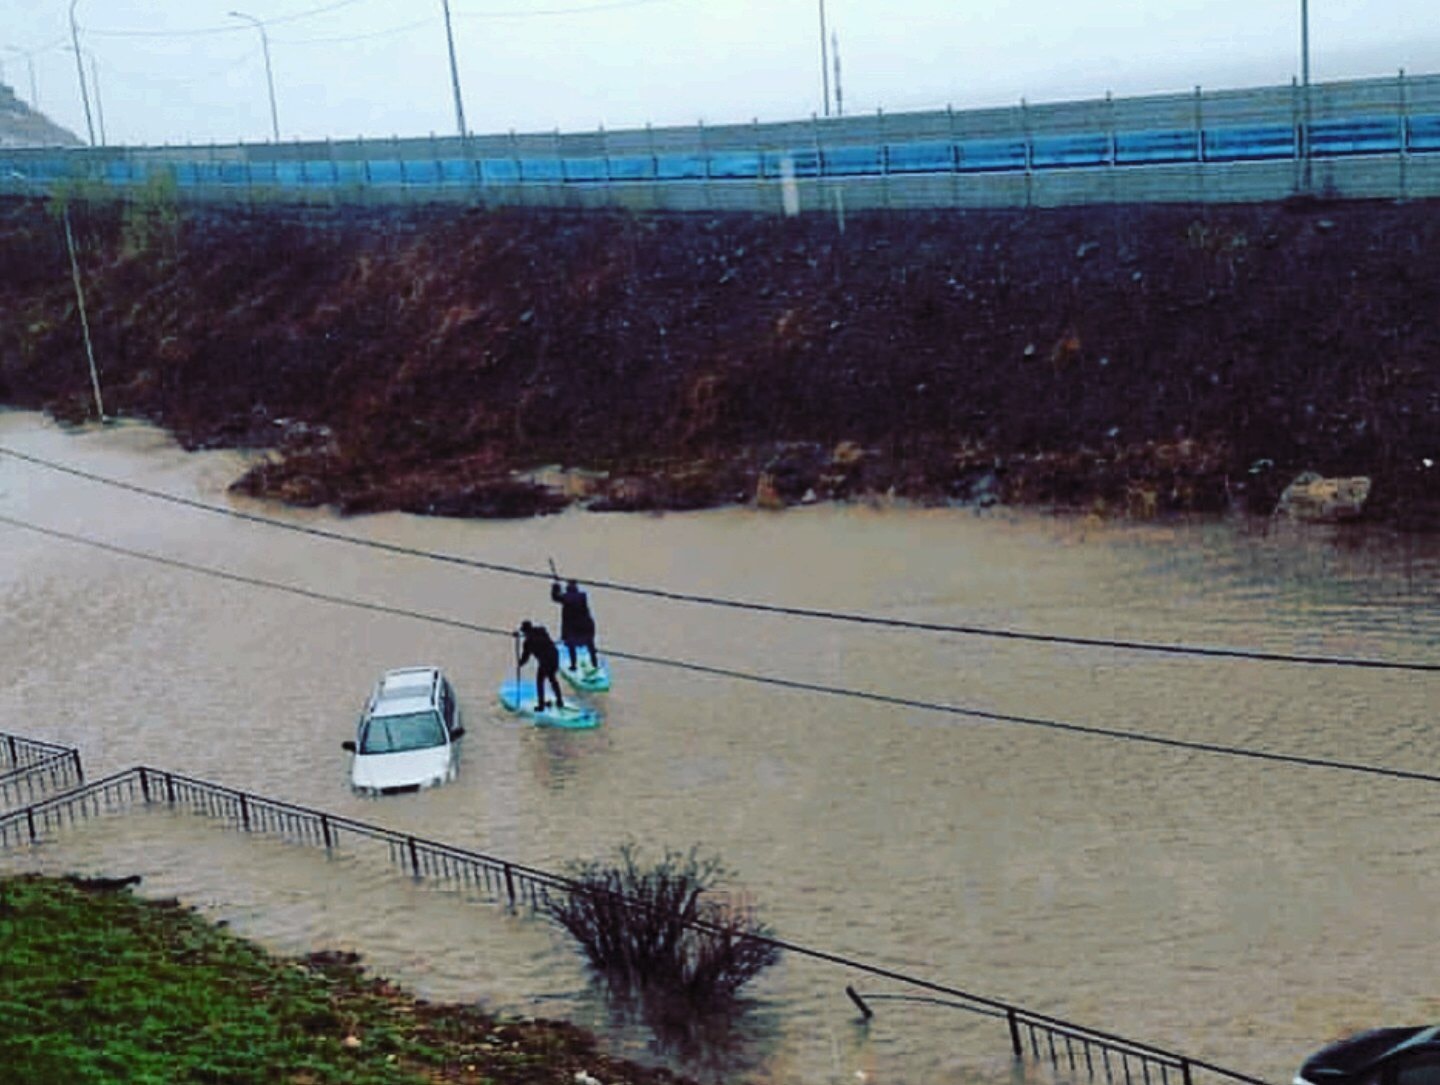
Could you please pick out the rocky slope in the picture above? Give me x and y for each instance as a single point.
(21, 126)
(1132, 359)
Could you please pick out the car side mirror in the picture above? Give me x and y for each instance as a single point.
(348, 745)
(459, 732)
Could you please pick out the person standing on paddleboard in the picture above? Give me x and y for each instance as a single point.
(537, 644)
(577, 625)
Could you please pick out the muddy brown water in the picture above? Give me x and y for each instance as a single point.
(1236, 911)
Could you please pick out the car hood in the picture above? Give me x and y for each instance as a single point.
(382, 771)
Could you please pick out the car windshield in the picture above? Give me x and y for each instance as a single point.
(395, 734)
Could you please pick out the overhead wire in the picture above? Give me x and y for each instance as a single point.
(809, 613)
(869, 696)
(226, 28)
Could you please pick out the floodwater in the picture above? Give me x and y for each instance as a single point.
(1237, 911)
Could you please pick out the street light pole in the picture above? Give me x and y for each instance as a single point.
(80, 71)
(99, 105)
(454, 71)
(79, 294)
(269, 75)
(30, 60)
(824, 63)
(1305, 84)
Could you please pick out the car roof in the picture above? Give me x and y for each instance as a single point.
(1357, 1055)
(408, 689)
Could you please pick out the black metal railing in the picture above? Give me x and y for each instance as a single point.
(31, 769)
(1065, 1044)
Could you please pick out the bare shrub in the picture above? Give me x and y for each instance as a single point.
(658, 928)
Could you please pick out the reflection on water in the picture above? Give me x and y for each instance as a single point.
(1236, 911)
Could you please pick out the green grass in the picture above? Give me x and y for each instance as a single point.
(97, 986)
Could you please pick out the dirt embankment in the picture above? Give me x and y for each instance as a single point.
(1133, 359)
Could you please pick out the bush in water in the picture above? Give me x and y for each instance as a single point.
(651, 928)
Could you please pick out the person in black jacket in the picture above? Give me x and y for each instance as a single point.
(538, 645)
(577, 626)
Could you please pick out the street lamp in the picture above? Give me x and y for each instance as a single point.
(30, 60)
(454, 71)
(95, 82)
(79, 294)
(269, 75)
(824, 63)
(1305, 83)
(80, 72)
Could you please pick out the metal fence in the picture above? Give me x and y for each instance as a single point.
(31, 769)
(1120, 1061)
(1360, 138)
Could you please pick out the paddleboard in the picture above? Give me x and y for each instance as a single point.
(520, 699)
(585, 677)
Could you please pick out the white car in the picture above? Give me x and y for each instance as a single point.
(406, 739)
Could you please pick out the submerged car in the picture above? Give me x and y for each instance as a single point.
(1382, 1056)
(406, 737)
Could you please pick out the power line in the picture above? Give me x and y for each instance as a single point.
(746, 676)
(744, 604)
(532, 12)
(227, 28)
(391, 32)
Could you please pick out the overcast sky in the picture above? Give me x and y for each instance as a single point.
(184, 70)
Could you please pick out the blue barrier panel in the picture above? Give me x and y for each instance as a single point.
(386, 172)
(540, 169)
(804, 163)
(1136, 148)
(1259, 141)
(287, 174)
(977, 155)
(920, 157)
(456, 171)
(1363, 135)
(1060, 151)
(1425, 133)
(421, 171)
(735, 164)
(117, 173)
(186, 174)
(851, 161)
(349, 172)
(499, 171)
(583, 169)
(262, 173)
(632, 167)
(232, 173)
(679, 167)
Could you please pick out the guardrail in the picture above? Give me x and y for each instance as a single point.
(1356, 138)
(517, 884)
(30, 769)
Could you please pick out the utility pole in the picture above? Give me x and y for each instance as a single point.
(99, 105)
(80, 71)
(824, 63)
(454, 72)
(79, 291)
(30, 60)
(1305, 84)
(839, 95)
(269, 75)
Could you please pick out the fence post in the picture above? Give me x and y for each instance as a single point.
(145, 784)
(414, 856)
(509, 885)
(14, 755)
(79, 768)
(1029, 154)
(244, 812)
(1185, 1071)
(30, 819)
(1015, 1034)
(325, 831)
(1199, 145)
(705, 162)
(169, 789)
(1404, 132)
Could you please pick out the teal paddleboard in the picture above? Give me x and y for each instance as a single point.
(520, 699)
(583, 676)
